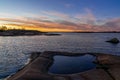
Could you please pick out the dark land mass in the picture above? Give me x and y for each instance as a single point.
(107, 68)
(35, 32)
(113, 40)
(25, 33)
(99, 32)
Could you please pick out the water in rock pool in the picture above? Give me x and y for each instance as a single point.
(70, 65)
(14, 51)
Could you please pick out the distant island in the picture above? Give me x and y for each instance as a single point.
(98, 32)
(17, 32)
(4, 31)
(25, 33)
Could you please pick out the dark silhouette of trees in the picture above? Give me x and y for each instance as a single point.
(3, 28)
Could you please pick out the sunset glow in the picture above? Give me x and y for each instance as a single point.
(60, 15)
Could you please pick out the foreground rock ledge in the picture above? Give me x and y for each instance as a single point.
(108, 68)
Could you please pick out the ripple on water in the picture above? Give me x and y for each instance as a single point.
(10, 63)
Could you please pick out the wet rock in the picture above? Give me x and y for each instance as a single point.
(113, 40)
(34, 55)
(108, 59)
(95, 74)
(38, 68)
(115, 71)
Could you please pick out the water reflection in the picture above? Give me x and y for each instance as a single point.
(70, 65)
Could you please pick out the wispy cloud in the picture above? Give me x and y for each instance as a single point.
(56, 14)
(87, 17)
(113, 24)
(53, 20)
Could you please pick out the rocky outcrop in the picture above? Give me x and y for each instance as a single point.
(25, 33)
(20, 33)
(114, 40)
(37, 69)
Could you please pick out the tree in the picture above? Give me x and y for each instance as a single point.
(3, 28)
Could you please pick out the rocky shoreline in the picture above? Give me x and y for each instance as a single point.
(107, 68)
(25, 33)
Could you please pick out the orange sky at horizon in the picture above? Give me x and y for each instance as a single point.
(61, 23)
(61, 15)
(29, 27)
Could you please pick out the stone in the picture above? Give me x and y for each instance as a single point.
(115, 71)
(108, 59)
(37, 69)
(113, 40)
(95, 74)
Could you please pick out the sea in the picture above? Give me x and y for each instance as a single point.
(15, 51)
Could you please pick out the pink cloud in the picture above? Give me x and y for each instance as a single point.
(80, 21)
(87, 17)
(113, 24)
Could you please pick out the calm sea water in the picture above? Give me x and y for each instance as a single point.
(71, 65)
(14, 51)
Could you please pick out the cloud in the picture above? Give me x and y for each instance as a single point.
(37, 23)
(56, 14)
(64, 22)
(87, 17)
(90, 16)
(32, 15)
(112, 25)
(52, 20)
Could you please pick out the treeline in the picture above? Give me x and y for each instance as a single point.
(4, 28)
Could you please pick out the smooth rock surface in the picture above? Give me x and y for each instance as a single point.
(37, 69)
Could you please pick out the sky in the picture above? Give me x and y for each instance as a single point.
(61, 15)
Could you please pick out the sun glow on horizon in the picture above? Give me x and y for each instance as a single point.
(28, 27)
(61, 15)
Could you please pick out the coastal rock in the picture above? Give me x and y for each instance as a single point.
(113, 40)
(34, 55)
(108, 59)
(37, 69)
(52, 34)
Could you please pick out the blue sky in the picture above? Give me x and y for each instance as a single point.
(83, 11)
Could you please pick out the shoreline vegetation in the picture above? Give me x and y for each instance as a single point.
(107, 67)
(4, 31)
(18, 32)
